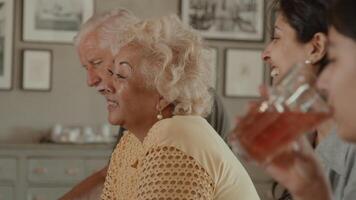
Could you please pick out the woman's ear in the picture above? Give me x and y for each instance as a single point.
(162, 103)
(318, 47)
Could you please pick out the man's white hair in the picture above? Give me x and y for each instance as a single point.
(106, 25)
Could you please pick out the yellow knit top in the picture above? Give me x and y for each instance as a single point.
(181, 158)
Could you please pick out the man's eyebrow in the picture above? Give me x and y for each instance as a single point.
(95, 60)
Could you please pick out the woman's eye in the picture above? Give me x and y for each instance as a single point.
(110, 72)
(274, 38)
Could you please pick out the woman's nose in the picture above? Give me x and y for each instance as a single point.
(109, 86)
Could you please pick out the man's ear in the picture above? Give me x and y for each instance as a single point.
(318, 47)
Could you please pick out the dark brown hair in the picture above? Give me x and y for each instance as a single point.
(343, 18)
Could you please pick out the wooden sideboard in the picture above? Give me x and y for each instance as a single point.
(47, 171)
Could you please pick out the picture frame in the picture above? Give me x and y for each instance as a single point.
(244, 72)
(37, 69)
(54, 21)
(213, 53)
(226, 19)
(6, 43)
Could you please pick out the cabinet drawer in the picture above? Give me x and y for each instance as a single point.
(6, 193)
(8, 169)
(55, 170)
(95, 165)
(45, 193)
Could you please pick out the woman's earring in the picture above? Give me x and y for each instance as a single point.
(308, 62)
(159, 115)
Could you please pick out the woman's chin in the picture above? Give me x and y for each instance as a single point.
(113, 120)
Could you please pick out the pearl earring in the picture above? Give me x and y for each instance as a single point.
(159, 115)
(307, 62)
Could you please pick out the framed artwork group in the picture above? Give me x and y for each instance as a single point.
(57, 21)
(233, 20)
(47, 21)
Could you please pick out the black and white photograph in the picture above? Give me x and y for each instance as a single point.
(6, 27)
(54, 20)
(36, 69)
(244, 73)
(225, 19)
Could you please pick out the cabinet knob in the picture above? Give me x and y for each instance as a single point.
(40, 170)
(72, 171)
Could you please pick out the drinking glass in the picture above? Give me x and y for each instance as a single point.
(293, 107)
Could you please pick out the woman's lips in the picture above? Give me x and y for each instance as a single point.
(111, 104)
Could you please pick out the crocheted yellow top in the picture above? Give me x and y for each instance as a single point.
(181, 158)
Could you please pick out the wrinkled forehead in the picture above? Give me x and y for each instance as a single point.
(89, 41)
(89, 47)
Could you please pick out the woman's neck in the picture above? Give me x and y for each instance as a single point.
(142, 128)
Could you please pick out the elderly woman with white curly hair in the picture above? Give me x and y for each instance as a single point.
(159, 91)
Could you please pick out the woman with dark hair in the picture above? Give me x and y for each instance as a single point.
(294, 169)
(300, 31)
(339, 82)
(300, 34)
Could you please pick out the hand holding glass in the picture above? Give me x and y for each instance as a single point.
(293, 107)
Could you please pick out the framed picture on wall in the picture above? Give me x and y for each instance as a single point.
(36, 69)
(244, 73)
(6, 43)
(54, 20)
(212, 54)
(225, 19)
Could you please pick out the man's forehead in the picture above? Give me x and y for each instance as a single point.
(90, 39)
(90, 45)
